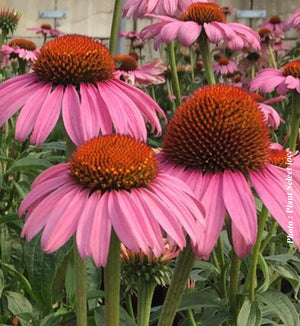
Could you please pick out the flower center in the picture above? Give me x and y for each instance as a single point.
(201, 13)
(114, 162)
(278, 157)
(263, 32)
(275, 20)
(23, 44)
(46, 26)
(74, 59)
(125, 62)
(292, 69)
(218, 128)
(224, 61)
(257, 97)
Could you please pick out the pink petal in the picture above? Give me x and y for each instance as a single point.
(188, 33)
(52, 172)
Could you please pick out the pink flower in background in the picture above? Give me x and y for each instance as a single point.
(274, 24)
(282, 80)
(112, 182)
(47, 30)
(131, 35)
(140, 8)
(220, 155)
(272, 118)
(293, 21)
(281, 46)
(224, 66)
(19, 48)
(196, 19)
(83, 89)
(148, 74)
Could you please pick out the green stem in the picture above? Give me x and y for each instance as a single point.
(295, 120)
(256, 250)
(112, 283)
(129, 306)
(252, 69)
(270, 235)
(173, 65)
(234, 284)
(145, 295)
(273, 59)
(191, 319)
(115, 26)
(207, 59)
(220, 252)
(192, 64)
(81, 306)
(184, 265)
(3, 37)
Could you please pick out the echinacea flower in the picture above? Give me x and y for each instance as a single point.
(218, 143)
(19, 48)
(148, 74)
(224, 66)
(202, 19)
(272, 118)
(284, 79)
(46, 30)
(274, 24)
(9, 20)
(74, 74)
(111, 182)
(293, 21)
(140, 8)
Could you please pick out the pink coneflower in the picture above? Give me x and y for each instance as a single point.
(224, 66)
(202, 19)
(293, 21)
(19, 48)
(272, 118)
(46, 30)
(73, 74)
(283, 80)
(111, 182)
(148, 74)
(140, 8)
(218, 142)
(274, 24)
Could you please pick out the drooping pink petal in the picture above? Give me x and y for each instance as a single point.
(30, 111)
(63, 220)
(16, 82)
(72, 115)
(240, 204)
(213, 32)
(267, 80)
(48, 116)
(188, 33)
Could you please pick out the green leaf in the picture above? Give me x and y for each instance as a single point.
(280, 305)
(2, 282)
(290, 274)
(19, 190)
(57, 145)
(250, 314)
(125, 319)
(217, 320)
(29, 163)
(265, 269)
(284, 258)
(42, 269)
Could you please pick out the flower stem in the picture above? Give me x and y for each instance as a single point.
(112, 283)
(271, 234)
(115, 26)
(181, 274)
(234, 284)
(207, 59)
(3, 37)
(173, 65)
(145, 295)
(256, 250)
(81, 306)
(220, 253)
(273, 59)
(190, 316)
(81, 301)
(295, 120)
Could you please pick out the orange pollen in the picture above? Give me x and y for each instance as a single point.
(292, 69)
(113, 162)
(204, 13)
(46, 26)
(125, 62)
(275, 20)
(257, 97)
(74, 59)
(224, 61)
(218, 128)
(278, 157)
(264, 32)
(23, 44)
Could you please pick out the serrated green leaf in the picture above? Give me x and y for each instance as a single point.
(250, 314)
(29, 163)
(281, 305)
